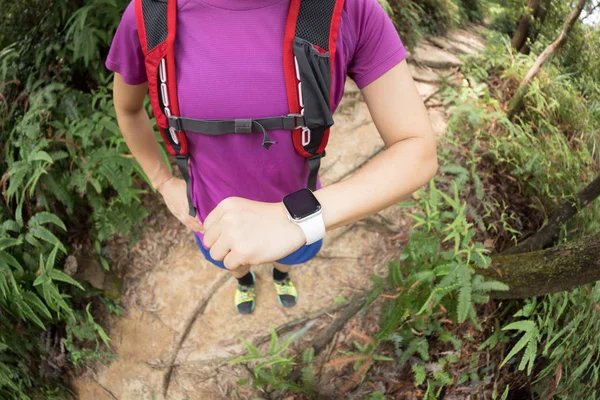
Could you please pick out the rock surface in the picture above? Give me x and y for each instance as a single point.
(453, 46)
(428, 75)
(428, 55)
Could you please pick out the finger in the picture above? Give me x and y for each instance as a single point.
(211, 236)
(232, 261)
(217, 213)
(200, 223)
(194, 224)
(214, 216)
(190, 223)
(220, 249)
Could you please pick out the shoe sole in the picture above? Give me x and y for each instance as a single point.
(279, 300)
(283, 305)
(253, 302)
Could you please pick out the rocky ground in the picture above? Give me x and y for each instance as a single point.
(180, 327)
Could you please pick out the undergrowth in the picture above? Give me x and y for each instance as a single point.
(414, 19)
(540, 161)
(68, 183)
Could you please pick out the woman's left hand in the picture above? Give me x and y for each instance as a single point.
(243, 232)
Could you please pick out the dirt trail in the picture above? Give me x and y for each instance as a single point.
(180, 327)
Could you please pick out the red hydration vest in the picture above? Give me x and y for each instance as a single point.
(309, 51)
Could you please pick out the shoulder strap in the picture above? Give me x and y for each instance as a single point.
(156, 22)
(310, 45)
(157, 27)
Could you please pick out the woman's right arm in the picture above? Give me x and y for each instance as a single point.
(139, 136)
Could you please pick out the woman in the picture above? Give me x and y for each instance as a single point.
(228, 55)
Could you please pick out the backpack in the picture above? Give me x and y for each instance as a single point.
(308, 55)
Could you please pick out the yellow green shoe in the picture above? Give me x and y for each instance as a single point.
(286, 292)
(244, 298)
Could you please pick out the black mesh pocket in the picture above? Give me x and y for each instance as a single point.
(314, 20)
(155, 20)
(315, 77)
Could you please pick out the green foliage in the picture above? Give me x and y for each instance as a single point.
(386, 6)
(272, 367)
(563, 339)
(376, 396)
(578, 59)
(529, 342)
(551, 152)
(64, 167)
(435, 279)
(413, 19)
(472, 10)
(504, 395)
(35, 303)
(505, 15)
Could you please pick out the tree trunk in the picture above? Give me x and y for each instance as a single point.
(559, 268)
(540, 18)
(547, 236)
(520, 37)
(516, 103)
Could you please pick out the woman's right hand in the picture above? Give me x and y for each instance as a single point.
(174, 191)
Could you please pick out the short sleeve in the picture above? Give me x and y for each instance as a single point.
(378, 47)
(126, 56)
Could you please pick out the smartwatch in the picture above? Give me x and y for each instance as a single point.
(304, 210)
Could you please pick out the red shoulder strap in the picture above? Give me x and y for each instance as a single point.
(157, 28)
(289, 65)
(316, 22)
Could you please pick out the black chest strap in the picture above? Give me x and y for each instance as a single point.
(222, 127)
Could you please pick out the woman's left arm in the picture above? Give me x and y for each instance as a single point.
(409, 161)
(245, 232)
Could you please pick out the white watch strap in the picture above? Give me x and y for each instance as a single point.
(313, 228)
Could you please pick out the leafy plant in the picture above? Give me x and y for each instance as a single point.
(537, 162)
(413, 19)
(64, 168)
(559, 336)
(362, 359)
(271, 368)
(435, 282)
(529, 341)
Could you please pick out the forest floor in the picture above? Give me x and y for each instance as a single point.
(180, 327)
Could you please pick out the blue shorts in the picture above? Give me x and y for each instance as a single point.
(300, 256)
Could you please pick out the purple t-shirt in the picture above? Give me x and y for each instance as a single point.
(230, 65)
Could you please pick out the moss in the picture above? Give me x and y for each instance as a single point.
(548, 271)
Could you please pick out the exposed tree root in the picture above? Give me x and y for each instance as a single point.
(321, 342)
(188, 327)
(111, 394)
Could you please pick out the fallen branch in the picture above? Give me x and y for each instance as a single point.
(556, 269)
(321, 342)
(517, 103)
(259, 341)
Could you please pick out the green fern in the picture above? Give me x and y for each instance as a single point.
(420, 374)
(529, 341)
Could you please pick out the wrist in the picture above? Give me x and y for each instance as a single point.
(159, 175)
(158, 187)
(296, 232)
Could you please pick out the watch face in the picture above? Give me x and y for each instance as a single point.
(301, 204)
